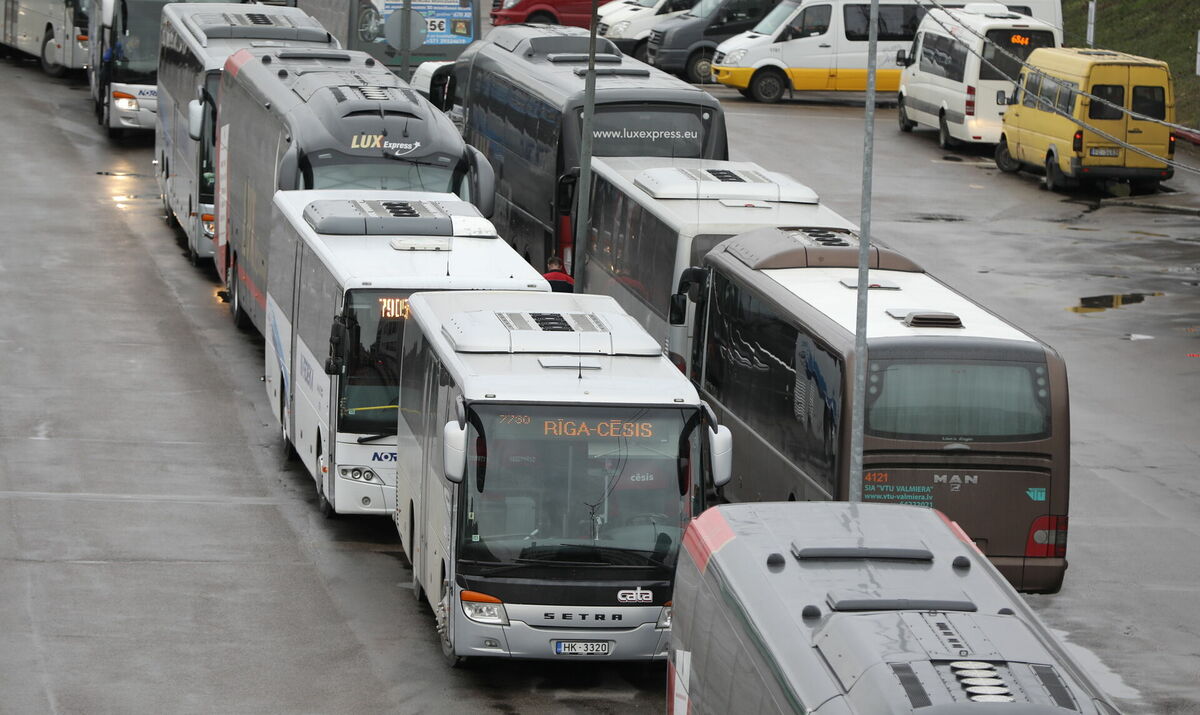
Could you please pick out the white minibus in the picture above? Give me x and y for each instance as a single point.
(549, 460)
(342, 266)
(822, 45)
(653, 217)
(195, 41)
(958, 61)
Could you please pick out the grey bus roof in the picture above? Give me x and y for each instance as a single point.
(805, 275)
(249, 22)
(698, 196)
(545, 60)
(355, 217)
(861, 632)
(503, 346)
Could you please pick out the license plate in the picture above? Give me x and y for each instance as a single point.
(581, 647)
(1104, 151)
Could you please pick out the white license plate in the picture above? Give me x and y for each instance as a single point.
(581, 647)
(1104, 151)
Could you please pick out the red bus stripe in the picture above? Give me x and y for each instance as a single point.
(705, 536)
(236, 60)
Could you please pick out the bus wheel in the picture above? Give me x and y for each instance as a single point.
(541, 18)
(114, 133)
(768, 86)
(418, 591)
(699, 67)
(945, 141)
(442, 617)
(235, 298)
(906, 124)
(1004, 158)
(1054, 180)
(49, 66)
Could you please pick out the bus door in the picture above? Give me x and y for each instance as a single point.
(806, 47)
(1111, 83)
(1149, 88)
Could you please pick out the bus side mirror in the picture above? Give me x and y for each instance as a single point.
(289, 168)
(454, 451)
(1004, 101)
(441, 87)
(693, 281)
(720, 445)
(337, 347)
(195, 119)
(678, 314)
(902, 58)
(564, 191)
(483, 182)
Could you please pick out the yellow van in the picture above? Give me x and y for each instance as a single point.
(1048, 124)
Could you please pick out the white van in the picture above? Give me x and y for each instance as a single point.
(822, 45)
(629, 25)
(958, 61)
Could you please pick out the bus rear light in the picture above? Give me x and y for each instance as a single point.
(1171, 144)
(1047, 538)
(482, 608)
(969, 109)
(1077, 142)
(678, 361)
(81, 38)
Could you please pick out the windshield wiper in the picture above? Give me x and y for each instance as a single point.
(372, 437)
(647, 554)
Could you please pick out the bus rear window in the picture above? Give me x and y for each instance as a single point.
(649, 130)
(1109, 103)
(945, 400)
(1150, 101)
(996, 64)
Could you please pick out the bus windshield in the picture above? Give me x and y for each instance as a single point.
(1005, 50)
(769, 24)
(579, 486)
(369, 390)
(678, 131)
(704, 8)
(333, 170)
(134, 50)
(945, 400)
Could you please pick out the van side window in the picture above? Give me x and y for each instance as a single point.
(1048, 94)
(813, 21)
(1065, 103)
(1113, 94)
(944, 57)
(896, 22)
(1029, 97)
(1150, 101)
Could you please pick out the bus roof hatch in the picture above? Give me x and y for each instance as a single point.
(747, 183)
(340, 217)
(572, 333)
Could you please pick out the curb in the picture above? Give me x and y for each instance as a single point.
(1192, 137)
(1165, 208)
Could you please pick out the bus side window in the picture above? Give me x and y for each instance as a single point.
(813, 21)
(1029, 91)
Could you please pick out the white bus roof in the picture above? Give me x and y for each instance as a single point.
(699, 196)
(422, 257)
(215, 30)
(900, 294)
(979, 17)
(548, 347)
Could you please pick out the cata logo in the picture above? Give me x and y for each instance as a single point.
(635, 595)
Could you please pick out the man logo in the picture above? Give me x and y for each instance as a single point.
(635, 595)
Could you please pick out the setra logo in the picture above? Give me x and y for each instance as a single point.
(635, 595)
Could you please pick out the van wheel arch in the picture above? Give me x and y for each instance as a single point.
(542, 17)
(906, 124)
(698, 68)
(1054, 179)
(945, 141)
(1005, 161)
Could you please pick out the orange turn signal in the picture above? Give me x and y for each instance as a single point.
(476, 597)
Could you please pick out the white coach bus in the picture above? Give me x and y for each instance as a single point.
(196, 39)
(550, 458)
(652, 217)
(342, 266)
(54, 31)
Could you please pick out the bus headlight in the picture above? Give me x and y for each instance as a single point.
(209, 223)
(125, 101)
(362, 473)
(482, 608)
(664, 618)
(618, 30)
(733, 58)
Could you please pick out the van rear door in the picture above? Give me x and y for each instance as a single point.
(1109, 83)
(1149, 95)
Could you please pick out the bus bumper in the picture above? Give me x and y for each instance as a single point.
(520, 640)
(1078, 170)
(1032, 575)
(363, 498)
(737, 77)
(140, 112)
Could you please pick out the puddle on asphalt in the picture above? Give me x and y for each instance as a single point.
(1105, 677)
(122, 174)
(1097, 303)
(940, 217)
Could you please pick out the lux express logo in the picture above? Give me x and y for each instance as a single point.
(378, 141)
(651, 134)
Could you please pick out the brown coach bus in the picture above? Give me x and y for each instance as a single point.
(965, 412)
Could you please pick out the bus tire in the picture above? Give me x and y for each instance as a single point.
(114, 133)
(767, 86)
(906, 124)
(51, 68)
(1054, 179)
(235, 298)
(699, 67)
(418, 591)
(639, 52)
(323, 503)
(945, 141)
(542, 18)
(442, 616)
(1004, 158)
